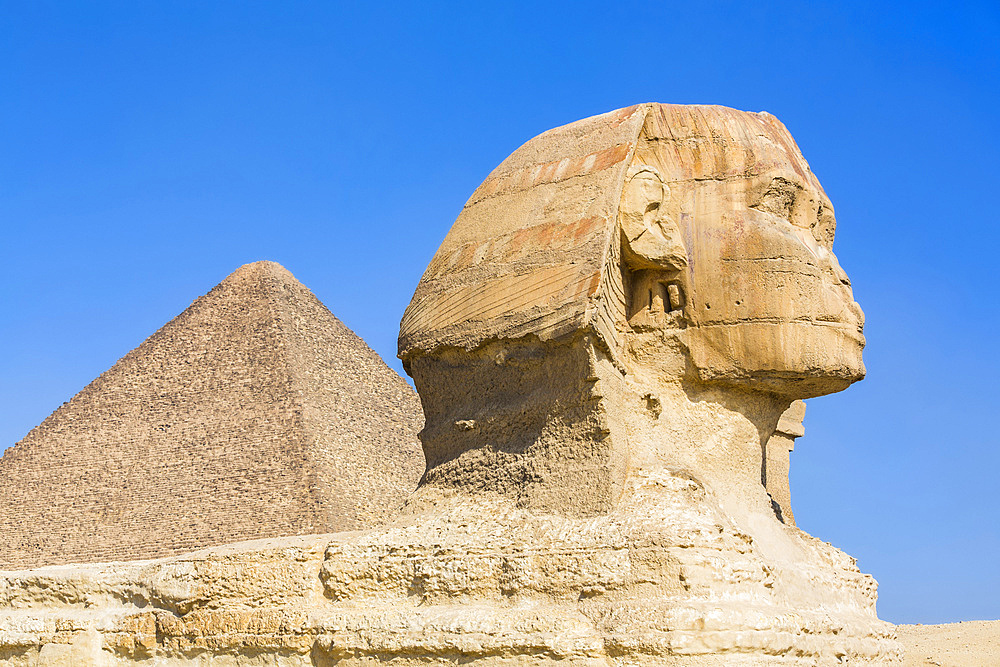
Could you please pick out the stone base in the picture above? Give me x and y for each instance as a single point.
(666, 579)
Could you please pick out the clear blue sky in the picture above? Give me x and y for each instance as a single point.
(149, 149)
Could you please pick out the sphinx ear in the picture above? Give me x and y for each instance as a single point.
(650, 238)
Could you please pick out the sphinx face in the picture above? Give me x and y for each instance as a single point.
(768, 299)
(761, 299)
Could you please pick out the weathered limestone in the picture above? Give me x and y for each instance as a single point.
(254, 413)
(604, 347)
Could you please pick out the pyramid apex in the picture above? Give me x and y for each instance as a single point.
(262, 272)
(262, 267)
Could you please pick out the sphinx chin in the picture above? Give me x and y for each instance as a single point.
(793, 359)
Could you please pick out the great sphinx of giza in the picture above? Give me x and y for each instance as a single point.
(603, 346)
(665, 258)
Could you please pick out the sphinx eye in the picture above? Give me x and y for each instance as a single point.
(779, 198)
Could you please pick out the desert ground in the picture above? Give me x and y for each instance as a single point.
(968, 644)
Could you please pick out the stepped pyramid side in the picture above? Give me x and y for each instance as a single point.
(248, 415)
(360, 417)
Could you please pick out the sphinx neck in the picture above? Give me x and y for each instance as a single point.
(716, 433)
(558, 427)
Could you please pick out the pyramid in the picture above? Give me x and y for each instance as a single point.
(254, 413)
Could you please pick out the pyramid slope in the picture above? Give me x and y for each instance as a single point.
(254, 413)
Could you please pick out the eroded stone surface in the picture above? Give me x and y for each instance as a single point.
(604, 347)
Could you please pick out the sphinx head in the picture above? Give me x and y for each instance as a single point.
(655, 251)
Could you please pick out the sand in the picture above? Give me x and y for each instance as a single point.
(968, 644)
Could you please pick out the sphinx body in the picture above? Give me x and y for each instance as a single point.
(603, 346)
